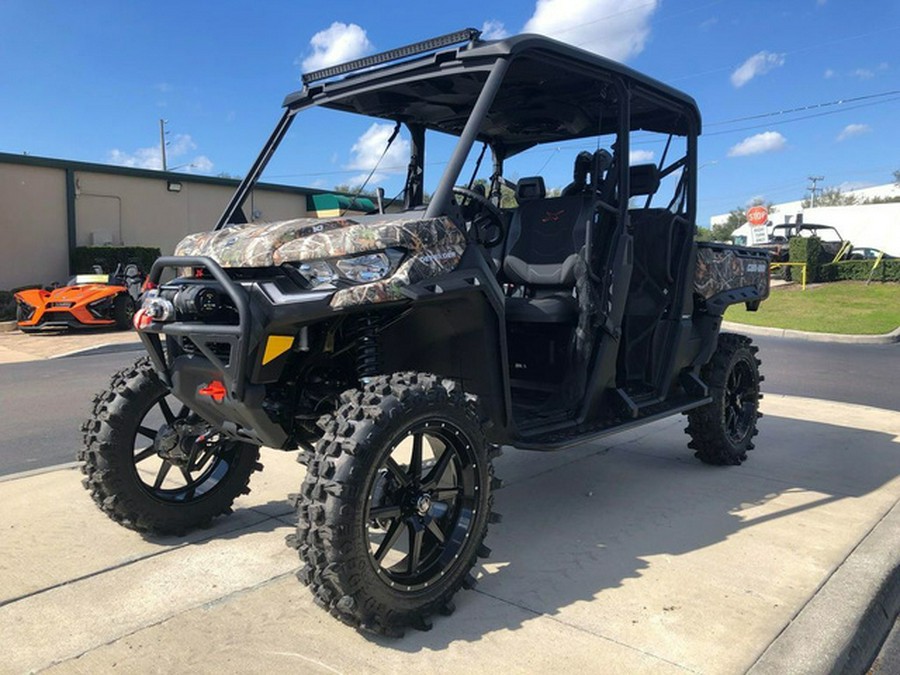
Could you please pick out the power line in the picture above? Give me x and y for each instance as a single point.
(803, 117)
(812, 106)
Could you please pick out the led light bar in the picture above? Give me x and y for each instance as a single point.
(465, 35)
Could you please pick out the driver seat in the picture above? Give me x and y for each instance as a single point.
(542, 246)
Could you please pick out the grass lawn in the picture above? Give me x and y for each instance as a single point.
(842, 307)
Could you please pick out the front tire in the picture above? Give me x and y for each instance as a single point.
(155, 487)
(396, 502)
(722, 431)
(123, 311)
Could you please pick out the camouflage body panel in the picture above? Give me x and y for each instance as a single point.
(723, 268)
(434, 246)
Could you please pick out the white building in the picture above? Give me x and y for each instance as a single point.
(869, 225)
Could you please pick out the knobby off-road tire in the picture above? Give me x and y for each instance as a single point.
(722, 431)
(127, 478)
(396, 503)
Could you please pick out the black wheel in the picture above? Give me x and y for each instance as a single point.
(396, 502)
(154, 466)
(123, 311)
(722, 431)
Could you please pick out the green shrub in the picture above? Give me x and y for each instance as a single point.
(7, 306)
(808, 250)
(108, 257)
(859, 270)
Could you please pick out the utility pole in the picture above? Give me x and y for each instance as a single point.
(162, 142)
(814, 180)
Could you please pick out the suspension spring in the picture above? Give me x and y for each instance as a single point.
(367, 348)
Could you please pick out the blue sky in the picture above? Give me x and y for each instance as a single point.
(89, 81)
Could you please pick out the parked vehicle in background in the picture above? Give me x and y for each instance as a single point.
(779, 244)
(866, 253)
(95, 300)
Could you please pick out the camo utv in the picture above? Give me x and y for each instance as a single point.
(401, 349)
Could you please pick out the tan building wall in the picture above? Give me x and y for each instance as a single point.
(112, 206)
(33, 225)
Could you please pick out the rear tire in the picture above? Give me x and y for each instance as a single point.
(137, 487)
(722, 431)
(389, 528)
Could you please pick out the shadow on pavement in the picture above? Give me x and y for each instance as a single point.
(574, 535)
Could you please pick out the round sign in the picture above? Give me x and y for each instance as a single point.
(758, 215)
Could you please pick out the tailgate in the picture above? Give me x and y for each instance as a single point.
(722, 268)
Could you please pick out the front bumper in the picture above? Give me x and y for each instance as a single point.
(233, 353)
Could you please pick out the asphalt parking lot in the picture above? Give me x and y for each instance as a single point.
(621, 556)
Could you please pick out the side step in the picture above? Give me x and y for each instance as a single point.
(566, 438)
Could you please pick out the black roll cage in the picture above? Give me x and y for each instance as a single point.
(493, 58)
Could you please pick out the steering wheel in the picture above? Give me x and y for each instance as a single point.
(489, 217)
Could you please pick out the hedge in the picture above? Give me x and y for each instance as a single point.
(108, 257)
(859, 270)
(7, 306)
(808, 250)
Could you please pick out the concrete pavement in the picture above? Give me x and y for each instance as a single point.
(16, 347)
(621, 556)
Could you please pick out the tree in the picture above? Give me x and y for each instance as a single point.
(736, 218)
(507, 194)
(351, 190)
(703, 234)
(897, 178)
(831, 197)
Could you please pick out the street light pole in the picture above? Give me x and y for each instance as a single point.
(162, 142)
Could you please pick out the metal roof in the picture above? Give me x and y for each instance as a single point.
(552, 92)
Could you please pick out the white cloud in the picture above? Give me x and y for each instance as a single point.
(709, 23)
(852, 130)
(863, 73)
(200, 164)
(368, 148)
(768, 141)
(616, 29)
(493, 30)
(142, 158)
(758, 64)
(339, 43)
(829, 73)
(177, 151)
(640, 156)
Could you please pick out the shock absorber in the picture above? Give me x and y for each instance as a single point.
(367, 349)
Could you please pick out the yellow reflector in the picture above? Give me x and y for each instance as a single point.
(276, 346)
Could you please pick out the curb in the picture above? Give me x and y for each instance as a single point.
(842, 627)
(8, 326)
(39, 472)
(108, 348)
(887, 338)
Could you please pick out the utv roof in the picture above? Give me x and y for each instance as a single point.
(551, 92)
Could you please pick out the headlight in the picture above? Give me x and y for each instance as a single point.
(361, 269)
(365, 268)
(317, 273)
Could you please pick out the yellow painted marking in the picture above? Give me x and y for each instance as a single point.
(276, 346)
